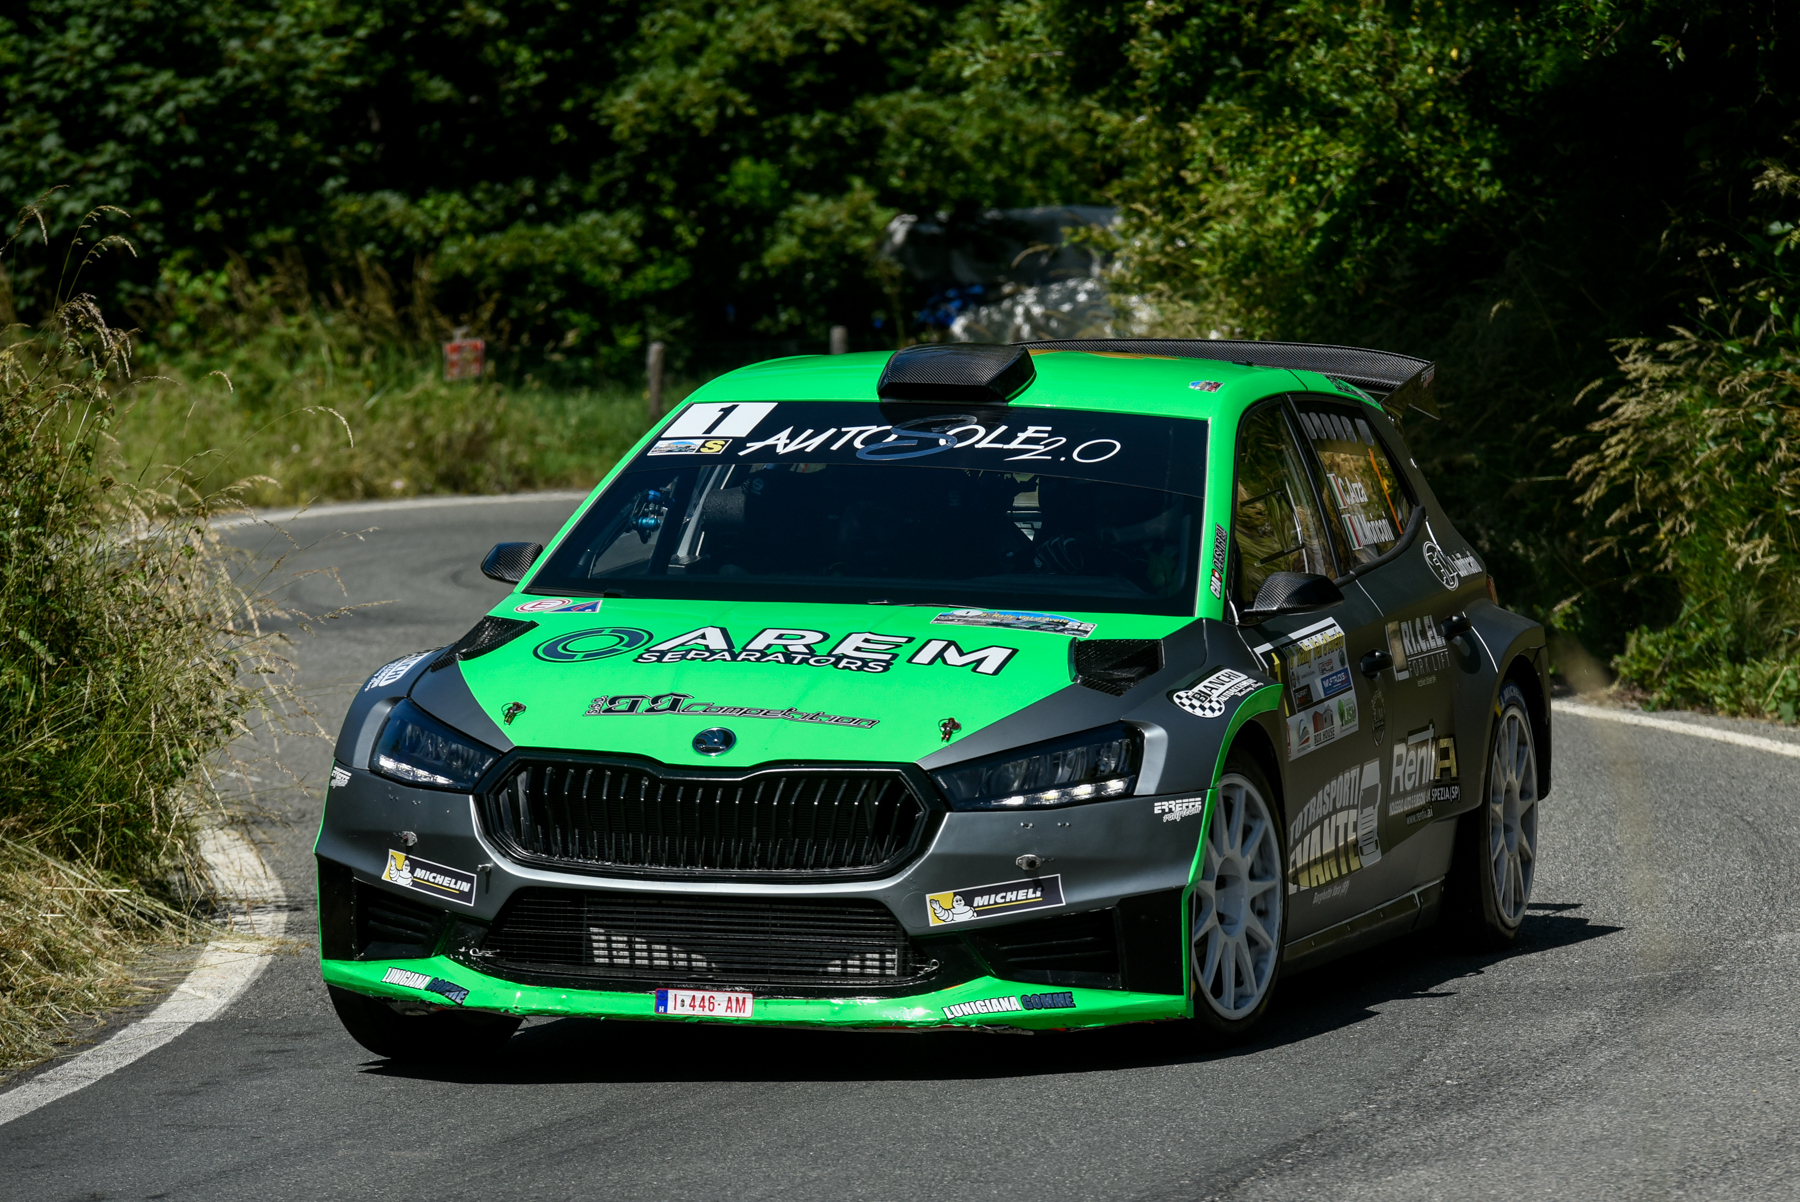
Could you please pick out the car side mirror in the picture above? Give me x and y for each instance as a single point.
(508, 562)
(1293, 593)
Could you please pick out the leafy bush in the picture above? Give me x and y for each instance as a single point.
(1697, 473)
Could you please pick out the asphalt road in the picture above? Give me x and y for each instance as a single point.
(1639, 1042)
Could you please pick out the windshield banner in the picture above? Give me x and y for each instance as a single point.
(1119, 448)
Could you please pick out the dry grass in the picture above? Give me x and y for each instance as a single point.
(135, 656)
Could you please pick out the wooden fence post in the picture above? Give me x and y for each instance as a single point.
(653, 367)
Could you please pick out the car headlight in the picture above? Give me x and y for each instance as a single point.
(419, 750)
(1092, 766)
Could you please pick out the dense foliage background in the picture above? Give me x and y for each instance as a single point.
(1509, 189)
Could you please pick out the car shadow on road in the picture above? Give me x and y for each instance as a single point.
(1331, 997)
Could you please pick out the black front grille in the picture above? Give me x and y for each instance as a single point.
(670, 940)
(629, 818)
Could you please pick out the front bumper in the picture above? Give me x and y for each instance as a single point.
(1092, 1007)
(1129, 858)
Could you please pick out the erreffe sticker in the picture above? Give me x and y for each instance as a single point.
(437, 880)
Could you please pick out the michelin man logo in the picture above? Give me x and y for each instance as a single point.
(959, 910)
(982, 901)
(397, 870)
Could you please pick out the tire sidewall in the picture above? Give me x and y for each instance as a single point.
(1209, 1021)
(1493, 918)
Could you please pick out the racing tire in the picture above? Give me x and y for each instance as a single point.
(1496, 843)
(1238, 916)
(440, 1037)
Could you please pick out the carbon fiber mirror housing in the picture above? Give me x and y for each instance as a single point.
(508, 562)
(1293, 593)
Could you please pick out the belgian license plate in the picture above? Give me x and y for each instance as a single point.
(703, 1003)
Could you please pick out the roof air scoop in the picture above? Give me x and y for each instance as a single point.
(957, 371)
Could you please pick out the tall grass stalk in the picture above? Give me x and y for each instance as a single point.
(133, 652)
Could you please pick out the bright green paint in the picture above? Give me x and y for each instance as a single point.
(908, 701)
(1093, 1007)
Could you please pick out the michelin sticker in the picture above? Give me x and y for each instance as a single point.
(410, 872)
(985, 901)
(1208, 698)
(389, 674)
(1315, 667)
(1015, 619)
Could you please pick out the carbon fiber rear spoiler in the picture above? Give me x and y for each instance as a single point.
(1399, 382)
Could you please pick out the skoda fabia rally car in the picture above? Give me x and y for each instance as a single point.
(1042, 686)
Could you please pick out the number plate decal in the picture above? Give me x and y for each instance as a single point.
(702, 1003)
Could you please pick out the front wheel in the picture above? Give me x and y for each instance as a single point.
(1497, 845)
(440, 1037)
(1239, 916)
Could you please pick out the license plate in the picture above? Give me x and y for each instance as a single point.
(704, 1003)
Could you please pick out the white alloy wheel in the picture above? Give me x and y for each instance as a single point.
(1512, 789)
(1237, 902)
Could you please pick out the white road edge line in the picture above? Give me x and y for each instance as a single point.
(224, 970)
(1633, 718)
(282, 517)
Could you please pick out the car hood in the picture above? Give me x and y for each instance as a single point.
(643, 677)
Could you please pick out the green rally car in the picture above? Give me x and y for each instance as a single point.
(1043, 686)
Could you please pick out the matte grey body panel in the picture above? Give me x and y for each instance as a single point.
(1103, 851)
(369, 708)
(445, 695)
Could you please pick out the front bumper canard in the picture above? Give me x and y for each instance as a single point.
(992, 1000)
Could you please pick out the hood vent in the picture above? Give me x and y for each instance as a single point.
(962, 372)
(484, 637)
(1114, 665)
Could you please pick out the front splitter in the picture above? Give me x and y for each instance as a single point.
(1092, 1007)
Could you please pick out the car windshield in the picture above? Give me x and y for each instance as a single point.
(944, 509)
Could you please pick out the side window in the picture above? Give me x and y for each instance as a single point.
(1364, 496)
(1275, 522)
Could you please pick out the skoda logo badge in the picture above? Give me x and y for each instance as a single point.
(714, 741)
